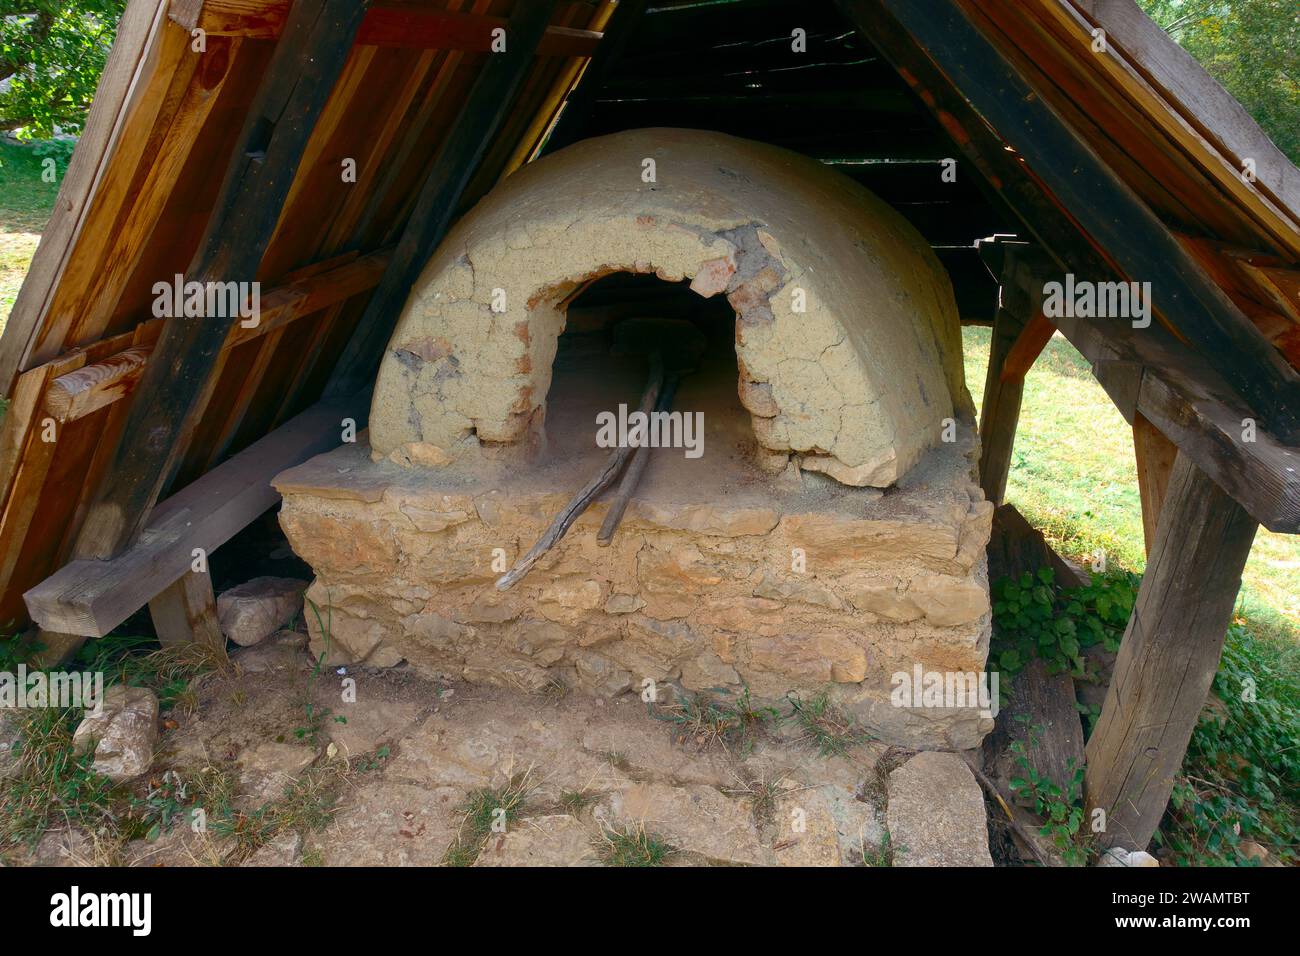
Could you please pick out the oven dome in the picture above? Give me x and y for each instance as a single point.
(847, 334)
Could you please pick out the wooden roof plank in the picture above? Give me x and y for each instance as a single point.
(126, 80)
(303, 70)
(1185, 85)
(385, 24)
(1223, 171)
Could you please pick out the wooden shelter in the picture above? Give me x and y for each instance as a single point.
(221, 144)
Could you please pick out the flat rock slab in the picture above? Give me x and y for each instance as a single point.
(267, 771)
(282, 651)
(387, 824)
(824, 826)
(693, 819)
(555, 840)
(936, 813)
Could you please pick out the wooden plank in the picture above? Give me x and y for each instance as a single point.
(1168, 657)
(1101, 205)
(94, 284)
(489, 102)
(1016, 546)
(75, 394)
(265, 355)
(185, 612)
(1154, 455)
(385, 24)
(334, 283)
(440, 30)
(89, 389)
(547, 115)
(306, 62)
(91, 597)
(128, 74)
(44, 495)
(1186, 85)
(1042, 716)
(1146, 143)
(1181, 135)
(24, 499)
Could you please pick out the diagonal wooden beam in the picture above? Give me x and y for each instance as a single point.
(489, 102)
(577, 108)
(1148, 372)
(302, 71)
(1029, 344)
(392, 23)
(974, 91)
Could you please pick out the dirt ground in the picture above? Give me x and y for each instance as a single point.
(419, 772)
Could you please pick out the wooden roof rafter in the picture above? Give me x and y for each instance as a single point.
(1081, 212)
(393, 23)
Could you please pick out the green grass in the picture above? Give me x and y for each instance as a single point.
(1073, 477)
(486, 811)
(55, 786)
(632, 846)
(705, 720)
(26, 201)
(825, 726)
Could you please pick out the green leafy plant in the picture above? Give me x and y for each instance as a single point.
(882, 855)
(1241, 776)
(632, 846)
(1061, 809)
(1034, 617)
(315, 716)
(153, 814)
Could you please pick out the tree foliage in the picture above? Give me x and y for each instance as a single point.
(51, 55)
(1252, 47)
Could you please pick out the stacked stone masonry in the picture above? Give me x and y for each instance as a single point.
(774, 564)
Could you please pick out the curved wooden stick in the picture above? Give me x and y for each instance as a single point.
(580, 502)
(635, 468)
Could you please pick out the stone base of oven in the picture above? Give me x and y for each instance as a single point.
(719, 578)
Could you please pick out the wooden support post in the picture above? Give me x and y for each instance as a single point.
(1020, 333)
(489, 102)
(1168, 657)
(1000, 410)
(185, 612)
(179, 376)
(1154, 455)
